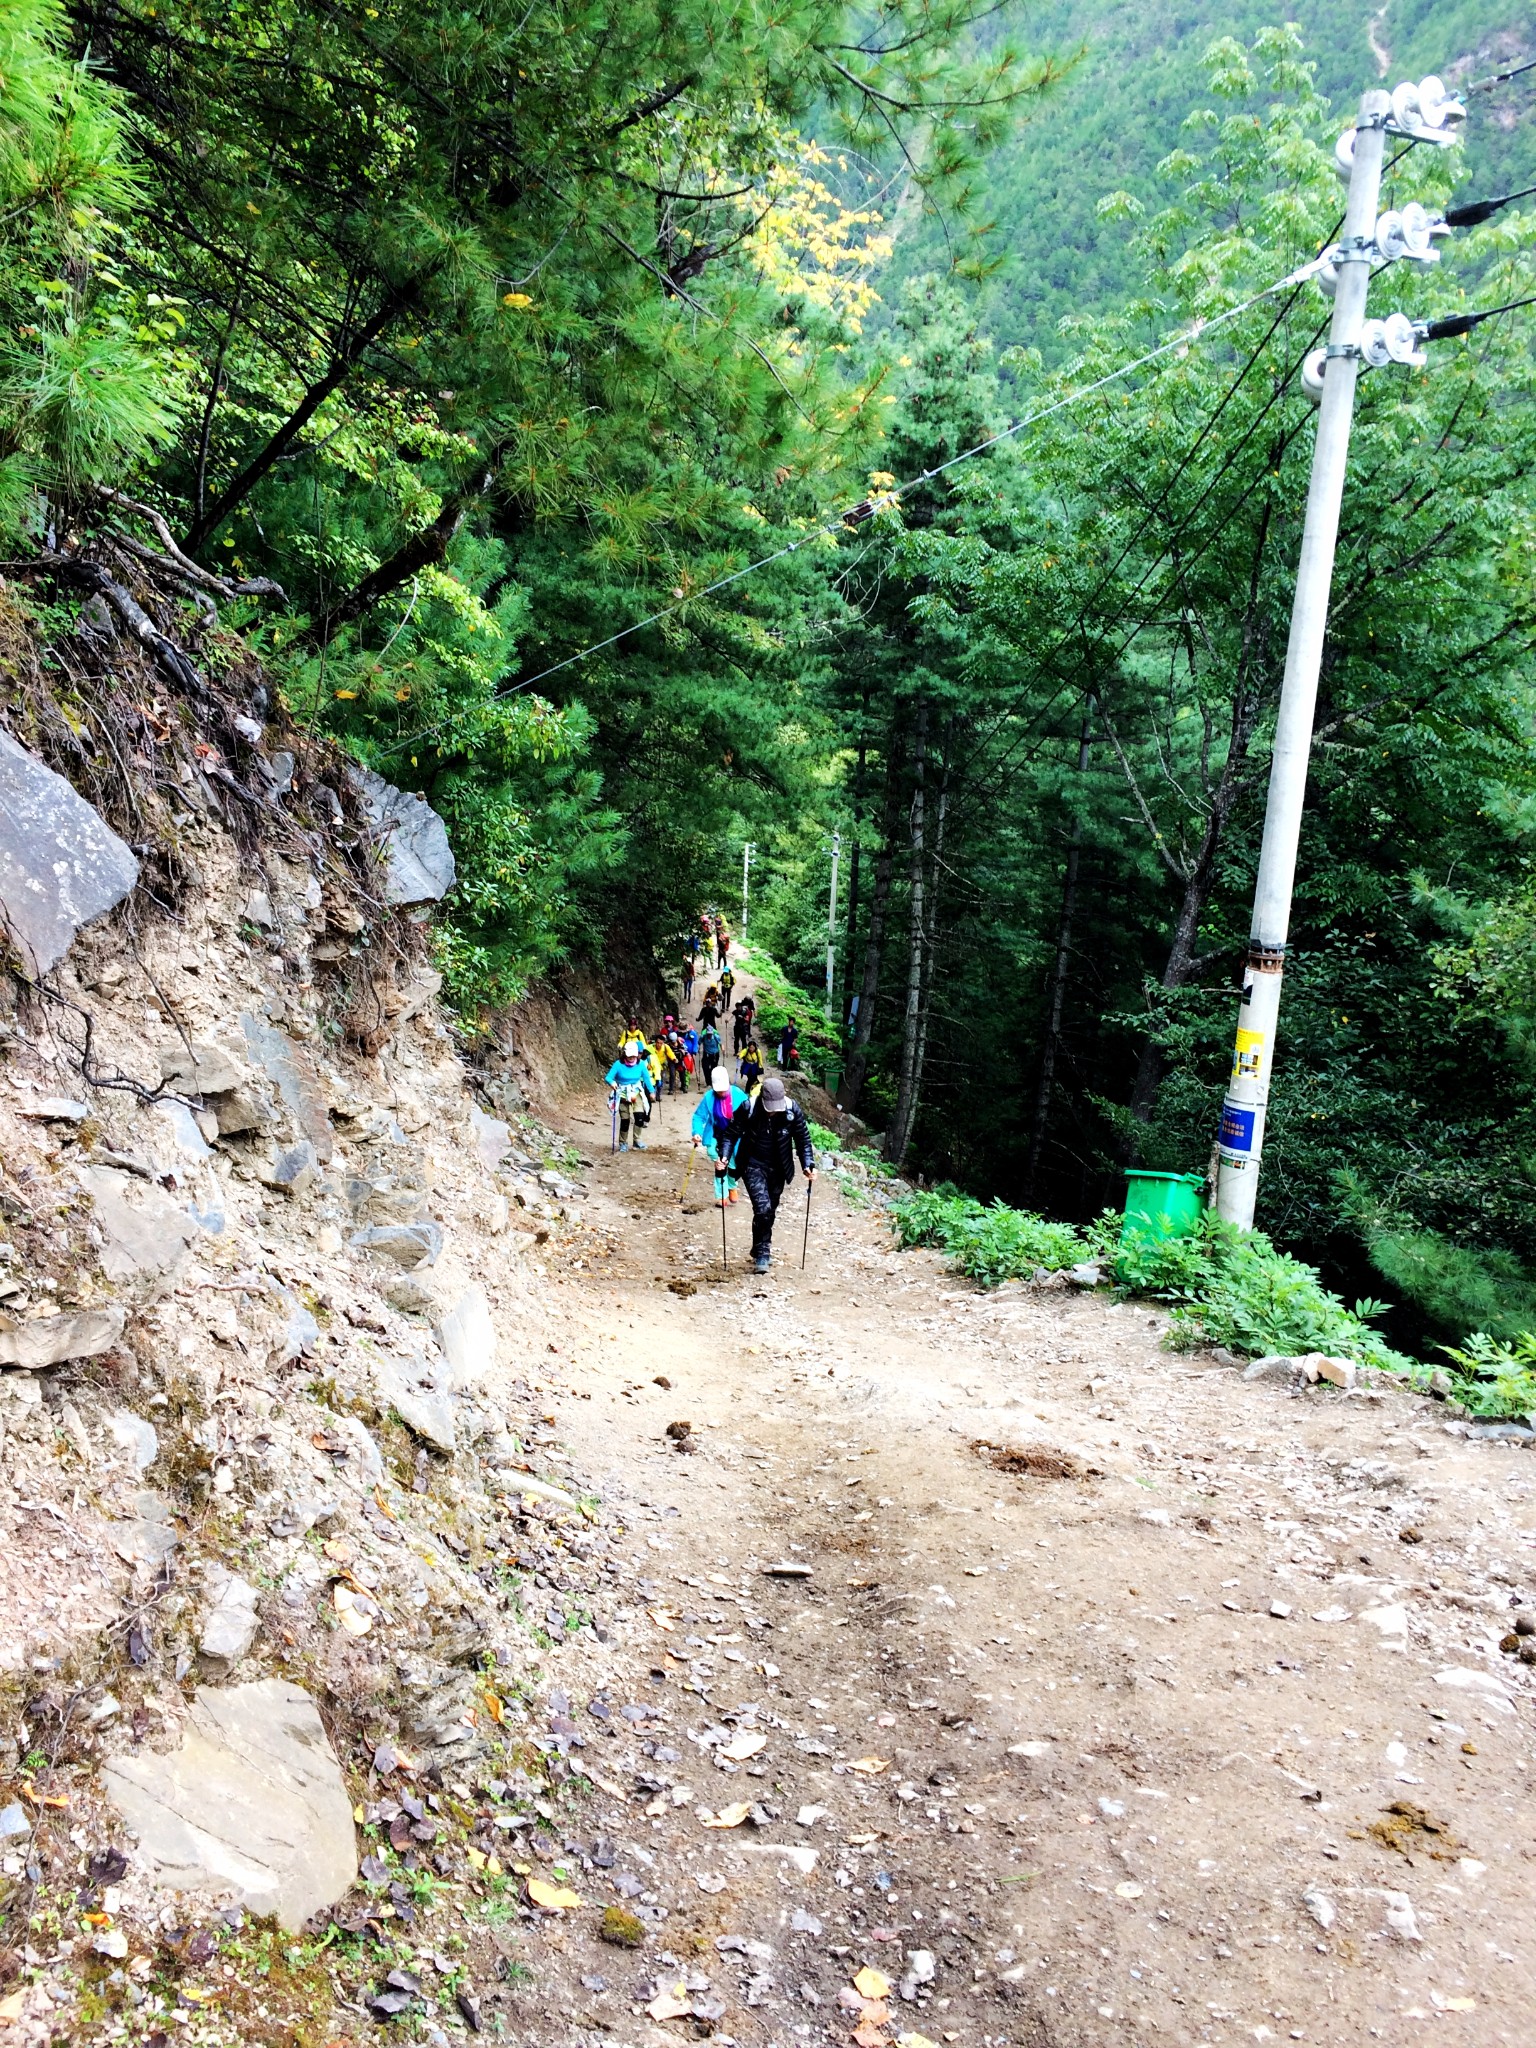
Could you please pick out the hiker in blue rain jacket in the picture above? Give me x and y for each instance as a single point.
(712, 1127)
(628, 1082)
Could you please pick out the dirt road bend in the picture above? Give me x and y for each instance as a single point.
(1108, 1699)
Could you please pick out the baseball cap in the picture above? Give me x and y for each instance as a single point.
(773, 1097)
(720, 1081)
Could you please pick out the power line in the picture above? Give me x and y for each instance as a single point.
(840, 522)
(1502, 77)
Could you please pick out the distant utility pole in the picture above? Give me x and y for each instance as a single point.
(837, 847)
(1422, 112)
(746, 868)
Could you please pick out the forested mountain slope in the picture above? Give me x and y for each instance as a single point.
(1121, 108)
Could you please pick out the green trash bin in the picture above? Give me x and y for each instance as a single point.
(1159, 1205)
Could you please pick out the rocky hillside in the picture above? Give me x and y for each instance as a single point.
(271, 1363)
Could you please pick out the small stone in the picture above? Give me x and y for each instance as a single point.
(1085, 1275)
(112, 1942)
(230, 1626)
(1112, 1809)
(1392, 1621)
(1274, 1366)
(1280, 1610)
(55, 1109)
(1320, 1906)
(13, 1822)
(135, 1436)
(1339, 1372)
(1401, 1918)
(50, 1340)
(406, 1245)
(202, 1068)
(467, 1339)
(295, 1170)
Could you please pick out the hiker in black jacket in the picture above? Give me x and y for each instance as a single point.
(770, 1133)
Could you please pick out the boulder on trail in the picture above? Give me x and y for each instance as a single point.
(61, 864)
(252, 1805)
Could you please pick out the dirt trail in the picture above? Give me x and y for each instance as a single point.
(1143, 1656)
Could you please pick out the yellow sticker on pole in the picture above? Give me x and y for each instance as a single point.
(1248, 1059)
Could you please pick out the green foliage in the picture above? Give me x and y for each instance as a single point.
(823, 1139)
(1233, 1287)
(1225, 1286)
(778, 1000)
(92, 377)
(989, 1242)
(1495, 1379)
(1457, 1287)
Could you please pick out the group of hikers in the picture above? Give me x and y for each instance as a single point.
(751, 1130)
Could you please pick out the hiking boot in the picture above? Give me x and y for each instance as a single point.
(761, 1263)
(639, 1144)
(734, 1195)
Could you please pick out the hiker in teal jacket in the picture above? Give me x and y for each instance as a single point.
(712, 1129)
(628, 1082)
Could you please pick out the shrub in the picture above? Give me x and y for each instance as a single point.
(989, 1243)
(1226, 1286)
(1232, 1287)
(1495, 1379)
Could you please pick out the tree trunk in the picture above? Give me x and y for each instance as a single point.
(899, 1135)
(343, 363)
(1201, 878)
(1056, 996)
(869, 990)
(852, 926)
(1197, 893)
(930, 937)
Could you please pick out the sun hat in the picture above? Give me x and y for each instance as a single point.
(720, 1081)
(632, 1049)
(773, 1098)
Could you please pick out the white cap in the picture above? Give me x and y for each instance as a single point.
(632, 1049)
(720, 1081)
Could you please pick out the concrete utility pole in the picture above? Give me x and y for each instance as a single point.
(746, 868)
(837, 847)
(1240, 1139)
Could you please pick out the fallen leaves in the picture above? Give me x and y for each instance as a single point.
(554, 1898)
(663, 1617)
(747, 1743)
(869, 1766)
(730, 1816)
(872, 1983)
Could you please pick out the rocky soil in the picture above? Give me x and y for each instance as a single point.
(439, 1597)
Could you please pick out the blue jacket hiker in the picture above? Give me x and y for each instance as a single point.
(714, 1128)
(628, 1082)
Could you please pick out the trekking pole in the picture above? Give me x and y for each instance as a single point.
(682, 1194)
(725, 1263)
(805, 1244)
(613, 1104)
